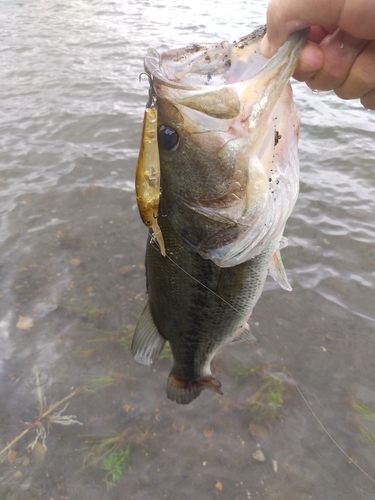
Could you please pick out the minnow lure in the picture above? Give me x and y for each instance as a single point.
(147, 177)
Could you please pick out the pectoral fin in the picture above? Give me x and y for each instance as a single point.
(147, 342)
(278, 273)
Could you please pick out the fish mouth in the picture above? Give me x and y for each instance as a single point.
(231, 97)
(196, 71)
(199, 67)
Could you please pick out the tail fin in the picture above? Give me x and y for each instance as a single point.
(183, 391)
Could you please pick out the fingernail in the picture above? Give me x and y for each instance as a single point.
(265, 47)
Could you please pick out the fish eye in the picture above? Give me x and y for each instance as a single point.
(168, 138)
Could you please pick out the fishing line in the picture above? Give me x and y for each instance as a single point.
(192, 277)
(286, 368)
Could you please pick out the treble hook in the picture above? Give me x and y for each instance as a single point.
(152, 95)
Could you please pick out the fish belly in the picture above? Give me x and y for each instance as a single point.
(198, 307)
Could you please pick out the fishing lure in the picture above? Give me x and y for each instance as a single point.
(147, 177)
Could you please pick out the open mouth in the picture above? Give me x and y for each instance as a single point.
(228, 100)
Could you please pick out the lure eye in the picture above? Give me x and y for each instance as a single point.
(168, 138)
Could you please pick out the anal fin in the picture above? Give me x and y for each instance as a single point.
(147, 342)
(244, 334)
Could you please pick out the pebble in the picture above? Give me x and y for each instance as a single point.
(258, 455)
(25, 323)
(124, 270)
(12, 456)
(144, 480)
(39, 451)
(208, 433)
(258, 431)
(219, 486)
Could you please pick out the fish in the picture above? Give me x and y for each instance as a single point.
(227, 130)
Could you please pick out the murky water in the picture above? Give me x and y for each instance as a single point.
(72, 282)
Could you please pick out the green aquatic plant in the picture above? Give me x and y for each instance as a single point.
(106, 336)
(166, 353)
(86, 311)
(266, 404)
(115, 464)
(240, 371)
(111, 452)
(95, 384)
(270, 392)
(94, 345)
(123, 338)
(364, 418)
(99, 446)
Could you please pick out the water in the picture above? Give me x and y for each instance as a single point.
(72, 278)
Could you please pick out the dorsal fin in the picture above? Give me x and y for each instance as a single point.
(147, 342)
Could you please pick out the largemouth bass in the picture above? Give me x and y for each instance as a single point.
(227, 133)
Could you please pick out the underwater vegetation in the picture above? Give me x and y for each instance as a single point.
(272, 388)
(97, 383)
(47, 416)
(111, 453)
(109, 457)
(105, 337)
(166, 353)
(114, 466)
(85, 311)
(364, 420)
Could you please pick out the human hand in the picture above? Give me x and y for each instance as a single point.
(340, 51)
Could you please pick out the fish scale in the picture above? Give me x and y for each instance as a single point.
(195, 303)
(189, 280)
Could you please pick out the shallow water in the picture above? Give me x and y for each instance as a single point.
(72, 279)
